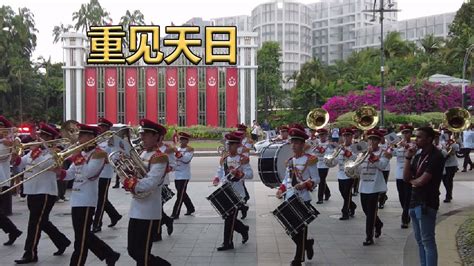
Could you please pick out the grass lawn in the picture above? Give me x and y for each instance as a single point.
(205, 145)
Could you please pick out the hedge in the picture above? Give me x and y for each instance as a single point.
(391, 119)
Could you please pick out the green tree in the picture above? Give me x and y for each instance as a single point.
(59, 30)
(90, 14)
(269, 79)
(131, 19)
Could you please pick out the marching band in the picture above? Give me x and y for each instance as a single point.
(362, 157)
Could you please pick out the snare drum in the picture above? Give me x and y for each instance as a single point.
(272, 163)
(293, 214)
(166, 194)
(225, 200)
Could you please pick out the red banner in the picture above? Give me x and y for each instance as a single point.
(131, 96)
(90, 78)
(212, 97)
(192, 96)
(151, 94)
(111, 94)
(171, 96)
(231, 97)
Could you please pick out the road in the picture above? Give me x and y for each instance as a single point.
(204, 169)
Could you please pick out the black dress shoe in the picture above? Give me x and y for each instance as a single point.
(352, 212)
(189, 212)
(26, 260)
(62, 249)
(342, 218)
(12, 237)
(368, 242)
(245, 235)
(110, 261)
(174, 217)
(404, 226)
(309, 248)
(225, 247)
(96, 229)
(116, 185)
(156, 238)
(244, 212)
(319, 202)
(327, 197)
(115, 221)
(295, 263)
(447, 200)
(378, 230)
(169, 227)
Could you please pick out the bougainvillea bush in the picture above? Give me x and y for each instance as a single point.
(415, 98)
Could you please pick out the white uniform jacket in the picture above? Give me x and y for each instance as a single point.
(45, 183)
(85, 170)
(183, 164)
(149, 207)
(228, 163)
(302, 168)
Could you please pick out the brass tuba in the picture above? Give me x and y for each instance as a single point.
(365, 118)
(456, 120)
(317, 118)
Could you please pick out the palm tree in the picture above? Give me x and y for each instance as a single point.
(91, 14)
(59, 30)
(131, 19)
(431, 44)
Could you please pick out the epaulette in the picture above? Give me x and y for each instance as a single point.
(99, 154)
(159, 157)
(190, 149)
(244, 159)
(311, 159)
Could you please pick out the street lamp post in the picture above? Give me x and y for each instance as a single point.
(463, 88)
(381, 12)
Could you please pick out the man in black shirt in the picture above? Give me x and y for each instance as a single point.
(424, 171)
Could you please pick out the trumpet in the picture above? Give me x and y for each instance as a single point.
(58, 159)
(331, 159)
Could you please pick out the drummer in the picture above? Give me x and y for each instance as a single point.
(233, 168)
(300, 178)
(283, 136)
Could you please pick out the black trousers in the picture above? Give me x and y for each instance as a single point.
(369, 205)
(103, 204)
(345, 187)
(247, 195)
(301, 240)
(383, 195)
(448, 181)
(467, 158)
(62, 186)
(165, 220)
(182, 197)
(323, 189)
(40, 206)
(5, 223)
(404, 195)
(140, 242)
(84, 239)
(231, 224)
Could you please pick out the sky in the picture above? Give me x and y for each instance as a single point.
(49, 13)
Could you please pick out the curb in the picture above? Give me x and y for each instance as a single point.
(214, 154)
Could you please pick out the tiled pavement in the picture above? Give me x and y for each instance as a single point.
(195, 238)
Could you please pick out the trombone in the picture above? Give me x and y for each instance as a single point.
(18, 148)
(58, 159)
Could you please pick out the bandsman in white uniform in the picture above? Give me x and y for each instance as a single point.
(146, 208)
(246, 145)
(233, 168)
(300, 178)
(103, 204)
(85, 169)
(372, 183)
(6, 143)
(323, 148)
(386, 171)
(283, 135)
(403, 188)
(42, 193)
(184, 154)
(449, 149)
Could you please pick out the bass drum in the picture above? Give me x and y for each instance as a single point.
(272, 163)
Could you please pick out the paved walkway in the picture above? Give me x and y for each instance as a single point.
(195, 238)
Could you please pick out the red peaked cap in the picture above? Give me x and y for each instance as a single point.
(83, 128)
(49, 130)
(347, 131)
(104, 122)
(406, 127)
(241, 127)
(184, 135)
(5, 122)
(147, 124)
(374, 133)
(322, 131)
(233, 137)
(297, 132)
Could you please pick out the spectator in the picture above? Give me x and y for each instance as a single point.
(255, 130)
(335, 135)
